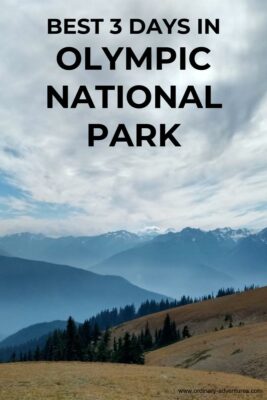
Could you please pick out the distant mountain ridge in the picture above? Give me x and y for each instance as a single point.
(31, 333)
(81, 251)
(3, 253)
(85, 251)
(32, 291)
(193, 261)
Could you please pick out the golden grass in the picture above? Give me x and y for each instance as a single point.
(96, 381)
(240, 350)
(248, 307)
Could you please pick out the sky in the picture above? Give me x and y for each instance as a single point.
(52, 182)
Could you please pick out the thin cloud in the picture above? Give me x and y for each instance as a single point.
(218, 176)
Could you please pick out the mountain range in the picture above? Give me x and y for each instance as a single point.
(192, 262)
(35, 291)
(80, 251)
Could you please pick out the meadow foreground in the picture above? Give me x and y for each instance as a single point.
(96, 381)
(240, 350)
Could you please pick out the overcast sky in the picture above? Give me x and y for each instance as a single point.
(51, 182)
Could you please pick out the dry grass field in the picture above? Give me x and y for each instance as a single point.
(191, 366)
(241, 350)
(95, 381)
(248, 307)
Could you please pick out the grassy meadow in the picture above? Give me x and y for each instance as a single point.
(96, 381)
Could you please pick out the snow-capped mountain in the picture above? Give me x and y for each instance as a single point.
(233, 234)
(82, 251)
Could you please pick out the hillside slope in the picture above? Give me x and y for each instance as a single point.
(241, 350)
(86, 381)
(247, 307)
(32, 332)
(3, 252)
(33, 291)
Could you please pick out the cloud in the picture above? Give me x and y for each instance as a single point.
(218, 176)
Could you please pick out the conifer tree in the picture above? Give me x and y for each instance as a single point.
(71, 348)
(136, 355)
(147, 340)
(29, 356)
(13, 357)
(103, 351)
(186, 333)
(37, 354)
(166, 336)
(96, 334)
(85, 333)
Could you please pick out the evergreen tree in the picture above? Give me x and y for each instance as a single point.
(72, 342)
(96, 334)
(13, 357)
(136, 351)
(186, 333)
(29, 356)
(115, 345)
(129, 350)
(37, 354)
(48, 349)
(57, 346)
(103, 351)
(85, 333)
(117, 350)
(126, 349)
(147, 340)
(168, 333)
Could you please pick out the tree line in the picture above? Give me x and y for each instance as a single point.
(86, 342)
(109, 318)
